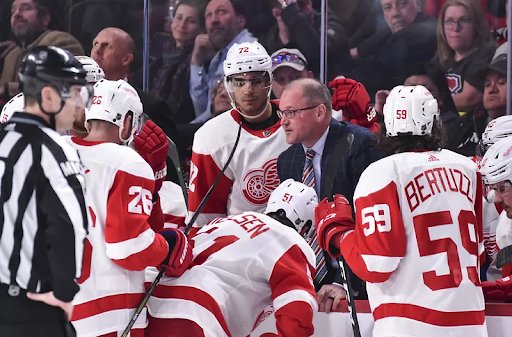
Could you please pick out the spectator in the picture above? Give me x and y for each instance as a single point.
(172, 69)
(306, 119)
(298, 26)
(500, 34)
(433, 79)
(463, 42)
(225, 26)
(385, 57)
(220, 99)
(288, 65)
(113, 50)
(31, 24)
(352, 13)
(495, 87)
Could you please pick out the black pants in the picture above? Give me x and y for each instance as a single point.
(22, 317)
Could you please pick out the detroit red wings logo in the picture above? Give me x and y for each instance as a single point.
(257, 184)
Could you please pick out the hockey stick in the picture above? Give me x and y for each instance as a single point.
(328, 180)
(174, 155)
(192, 221)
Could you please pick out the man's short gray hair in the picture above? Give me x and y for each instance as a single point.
(314, 92)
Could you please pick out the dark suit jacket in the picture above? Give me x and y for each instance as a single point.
(161, 115)
(362, 153)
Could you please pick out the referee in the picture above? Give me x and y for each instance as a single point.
(43, 216)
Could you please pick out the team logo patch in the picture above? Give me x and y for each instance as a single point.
(257, 184)
(454, 83)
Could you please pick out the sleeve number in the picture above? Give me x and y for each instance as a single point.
(427, 247)
(193, 176)
(376, 217)
(141, 195)
(401, 114)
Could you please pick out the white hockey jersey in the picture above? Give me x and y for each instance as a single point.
(417, 242)
(250, 177)
(504, 231)
(242, 264)
(174, 208)
(491, 213)
(120, 244)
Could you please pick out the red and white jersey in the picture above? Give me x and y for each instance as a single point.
(242, 264)
(491, 213)
(120, 244)
(417, 242)
(250, 177)
(504, 231)
(173, 206)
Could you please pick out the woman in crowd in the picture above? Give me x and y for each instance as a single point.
(463, 45)
(170, 74)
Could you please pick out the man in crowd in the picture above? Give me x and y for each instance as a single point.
(495, 86)
(288, 65)
(306, 117)
(225, 26)
(113, 50)
(125, 209)
(405, 205)
(31, 24)
(270, 264)
(386, 56)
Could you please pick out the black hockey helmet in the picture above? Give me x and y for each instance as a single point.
(48, 65)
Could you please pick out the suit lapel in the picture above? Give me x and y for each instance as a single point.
(299, 165)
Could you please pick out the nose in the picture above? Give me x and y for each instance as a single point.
(284, 120)
(498, 198)
(395, 13)
(493, 88)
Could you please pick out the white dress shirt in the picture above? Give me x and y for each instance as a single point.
(318, 147)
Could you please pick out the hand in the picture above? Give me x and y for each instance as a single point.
(380, 100)
(284, 33)
(351, 96)
(8, 45)
(329, 297)
(152, 145)
(333, 217)
(180, 253)
(501, 290)
(202, 48)
(50, 299)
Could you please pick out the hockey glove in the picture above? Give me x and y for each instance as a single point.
(180, 253)
(352, 97)
(333, 217)
(501, 290)
(153, 146)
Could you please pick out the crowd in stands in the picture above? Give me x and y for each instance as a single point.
(450, 47)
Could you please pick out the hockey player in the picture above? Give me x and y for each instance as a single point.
(243, 264)
(124, 206)
(252, 174)
(497, 174)
(417, 237)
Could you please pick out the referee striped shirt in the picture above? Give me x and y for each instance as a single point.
(43, 216)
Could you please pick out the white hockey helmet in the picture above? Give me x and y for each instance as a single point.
(17, 103)
(94, 72)
(113, 100)
(246, 57)
(298, 202)
(496, 166)
(497, 129)
(410, 110)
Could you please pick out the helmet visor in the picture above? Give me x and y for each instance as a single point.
(237, 82)
(491, 190)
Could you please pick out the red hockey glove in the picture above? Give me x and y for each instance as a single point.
(352, 97)
(332, 217)
(153, 146)
(180, 253)
(501, 290)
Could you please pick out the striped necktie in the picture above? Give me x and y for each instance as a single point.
(308, 178)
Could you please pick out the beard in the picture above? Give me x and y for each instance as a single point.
(30, 31)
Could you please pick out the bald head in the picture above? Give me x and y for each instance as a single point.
(113, 50)
(313, 92)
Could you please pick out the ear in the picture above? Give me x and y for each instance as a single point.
(127, 130)
(127, 59)
(310, 74)
(240, 20)
(46, 20)
(50, 100)
(321, 112)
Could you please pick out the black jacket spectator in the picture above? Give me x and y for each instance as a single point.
(305, 36)
(386, 56)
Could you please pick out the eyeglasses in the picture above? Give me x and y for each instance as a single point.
(462, 23)
(280, 58)
(292, 113)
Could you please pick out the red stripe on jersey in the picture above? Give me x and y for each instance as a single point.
(152, 256)
(290, 273)
(429, 316)
(179, 221)
(194, 295)
(295, 319)
(104, 304)
(208, 171)
(265, 133)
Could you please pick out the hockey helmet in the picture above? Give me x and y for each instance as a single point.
(410, 110)
(247, 57)
(113, 101)
(496, 166)
(94, 72)
(15, 104)
(298, 202)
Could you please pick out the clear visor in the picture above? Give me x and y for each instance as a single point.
(491, 190)
(80, 96)
(236, 82)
